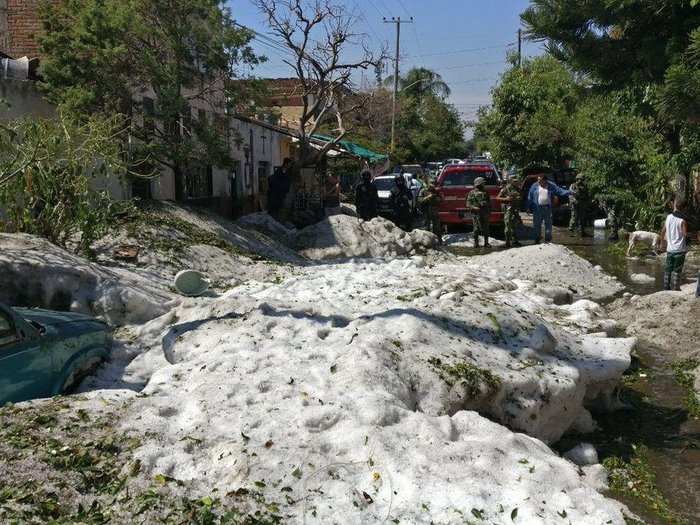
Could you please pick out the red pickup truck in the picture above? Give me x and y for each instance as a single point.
(456, 181)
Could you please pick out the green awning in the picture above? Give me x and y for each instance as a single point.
(354, 149)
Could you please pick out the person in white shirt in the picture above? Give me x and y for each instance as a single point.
(674, 232)
(539, 202)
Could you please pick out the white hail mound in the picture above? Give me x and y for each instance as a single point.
(352, 392)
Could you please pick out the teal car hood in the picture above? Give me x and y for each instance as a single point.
(51, 318)
(61, 324)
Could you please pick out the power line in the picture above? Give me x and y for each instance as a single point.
(363, 17)
(510, 44)
(464, 66)
(377, 9)
(473, 80)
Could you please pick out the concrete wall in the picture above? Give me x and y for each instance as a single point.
(24, 100)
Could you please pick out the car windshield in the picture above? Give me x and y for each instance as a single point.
(467, 177)
(384, 184)
(413, 170)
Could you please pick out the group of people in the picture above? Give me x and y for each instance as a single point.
(540, 201)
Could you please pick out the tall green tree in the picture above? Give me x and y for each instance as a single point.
(531, 120)
(649, 47)
(428, 127)
(105, 56)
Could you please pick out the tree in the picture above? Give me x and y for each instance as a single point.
(623, 156)
(47, 172)
(318, 34)
(105, 56)
(651, 48)
(531, 121)
(420, 82)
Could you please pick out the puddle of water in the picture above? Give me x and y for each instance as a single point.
(599, 252)
(657, 421)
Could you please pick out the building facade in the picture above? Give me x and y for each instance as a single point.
(256, 148)
(20, 27)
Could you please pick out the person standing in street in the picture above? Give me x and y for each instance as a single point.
(431, 204)
(579, 200)
(401, 199)
(510, 196)
(540, 199)
(674, 232)
(278, 188)
(479, 205)
(366, 197)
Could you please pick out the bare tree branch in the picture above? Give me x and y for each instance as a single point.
(318, 34)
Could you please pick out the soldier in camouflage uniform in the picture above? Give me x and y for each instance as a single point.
(510, 196)
(479, 204)
(430, 203)
(579, 200)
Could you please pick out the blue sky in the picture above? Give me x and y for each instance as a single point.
(463, 40)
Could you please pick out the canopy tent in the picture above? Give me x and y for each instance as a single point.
(353, 149)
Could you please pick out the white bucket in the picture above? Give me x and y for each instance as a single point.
(600, 224)
(191, 283)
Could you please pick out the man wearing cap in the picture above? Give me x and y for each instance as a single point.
(539, 202)
(579, 200)
(510, 197)
(479, 204)
(366, 197)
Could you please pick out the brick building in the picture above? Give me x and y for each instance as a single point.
(20, 28)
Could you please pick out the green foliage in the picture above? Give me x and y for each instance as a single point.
(651, 48)
(48, 168)
(624, 159)
(636, 478)
(66, 466)
(532, 115)
(683, 371)
(472, 376)
(428, 127)
(103, 55)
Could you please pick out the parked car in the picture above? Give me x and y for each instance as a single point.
(45, 353)
(455, 183)
(385, 183)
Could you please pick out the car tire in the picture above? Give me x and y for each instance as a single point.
(79, 373)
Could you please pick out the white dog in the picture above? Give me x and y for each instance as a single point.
(650, 238)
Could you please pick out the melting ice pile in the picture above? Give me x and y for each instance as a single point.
(367, 392)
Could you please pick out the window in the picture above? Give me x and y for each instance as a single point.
(200, 183)
(384, 184)
(263, 172)
(467, 177)
(8, 334)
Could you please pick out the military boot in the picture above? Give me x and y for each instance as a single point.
(676, 281)
(508, 243)
(667, 280)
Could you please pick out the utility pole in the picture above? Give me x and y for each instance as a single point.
(520, 47)
(398, 23)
